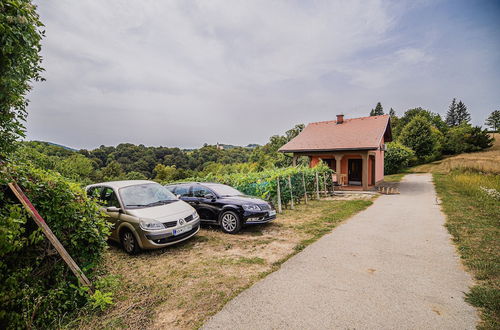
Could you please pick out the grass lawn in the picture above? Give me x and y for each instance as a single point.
(473, 219)
(181, 286)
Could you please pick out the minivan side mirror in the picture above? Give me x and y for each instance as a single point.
(112, 209)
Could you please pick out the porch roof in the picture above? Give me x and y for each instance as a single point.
(352, 134)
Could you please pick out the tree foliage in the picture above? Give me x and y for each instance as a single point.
(418, 136)
(20, 63)
(37, 287)
(451, 115)
(397, 157)
(493, 121)
(378, 111)
(463, 115)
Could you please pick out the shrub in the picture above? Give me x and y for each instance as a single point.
(37, 288)
(397, 157)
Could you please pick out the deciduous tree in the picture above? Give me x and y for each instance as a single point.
(20, 63)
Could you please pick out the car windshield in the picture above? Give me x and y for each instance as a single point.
(223, 190)
(148, 194)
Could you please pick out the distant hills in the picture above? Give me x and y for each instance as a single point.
(222, 145)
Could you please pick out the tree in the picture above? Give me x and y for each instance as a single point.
(418, 136)
(20, 63)
(451, 115)
(392, 113)
(463, 115)
(493, 121)
(434, 118)
(378, 111)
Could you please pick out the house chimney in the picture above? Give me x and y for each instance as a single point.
(340, 119)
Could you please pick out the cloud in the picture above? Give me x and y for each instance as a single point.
(181, 73)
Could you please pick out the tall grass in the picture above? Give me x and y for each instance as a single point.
(473, 219)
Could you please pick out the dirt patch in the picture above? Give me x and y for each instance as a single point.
(181, 286)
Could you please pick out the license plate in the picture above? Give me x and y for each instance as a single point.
(272, 212)
(182, 230)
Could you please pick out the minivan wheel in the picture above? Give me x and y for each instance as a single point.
(230, 222)
(129, 243)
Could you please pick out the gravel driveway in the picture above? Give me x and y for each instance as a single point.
(391, 266)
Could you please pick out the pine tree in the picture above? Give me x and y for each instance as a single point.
(493, 120)
(392, 113)
(463, 116)
(451, 115)
(378, 111)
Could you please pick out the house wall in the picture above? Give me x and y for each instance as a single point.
(379, 163)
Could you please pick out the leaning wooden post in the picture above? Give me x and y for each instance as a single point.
(317, 185)
(305, 188)
(291, 192)
(279, 196)
(50, 235)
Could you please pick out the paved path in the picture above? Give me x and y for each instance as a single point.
(391, 266)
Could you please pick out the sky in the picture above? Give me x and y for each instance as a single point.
(184, 73)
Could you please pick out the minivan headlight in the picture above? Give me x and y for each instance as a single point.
(151, 225)
(251, 207)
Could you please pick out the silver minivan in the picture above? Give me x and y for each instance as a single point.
(145, 215)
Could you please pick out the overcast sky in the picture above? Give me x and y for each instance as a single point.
(183, 73)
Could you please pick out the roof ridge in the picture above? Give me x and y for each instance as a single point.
(347, 119)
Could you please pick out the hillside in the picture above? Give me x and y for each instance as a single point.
(485, 161)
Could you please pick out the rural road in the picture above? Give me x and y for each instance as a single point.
(391, 266)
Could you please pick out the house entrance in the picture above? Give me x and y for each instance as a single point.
(354, 171)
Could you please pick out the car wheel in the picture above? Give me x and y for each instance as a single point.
(230, 222)
(129, 243)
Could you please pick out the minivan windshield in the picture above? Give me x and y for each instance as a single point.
(223, 190)
(144, 195)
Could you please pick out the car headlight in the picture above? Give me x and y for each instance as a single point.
(251, 207)
(151, 225)
(195, 215)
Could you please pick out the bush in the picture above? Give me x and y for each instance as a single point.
(397, 157)
(37, 288)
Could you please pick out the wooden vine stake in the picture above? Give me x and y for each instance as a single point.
(50, 235)
(317, 186)
(324, 184)
(291, 192)
(305, 188)
(279, 196)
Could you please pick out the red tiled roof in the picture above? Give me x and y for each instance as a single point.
(352, 134)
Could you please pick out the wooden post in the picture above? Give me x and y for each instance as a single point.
(279, 197)
(317, 185)
(50, 235)
(291, 192)
(324, 185)
(305, 188)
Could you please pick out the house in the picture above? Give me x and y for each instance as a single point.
(353, 148)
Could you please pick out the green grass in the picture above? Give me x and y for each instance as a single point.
(473, 219)
(394, 177)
